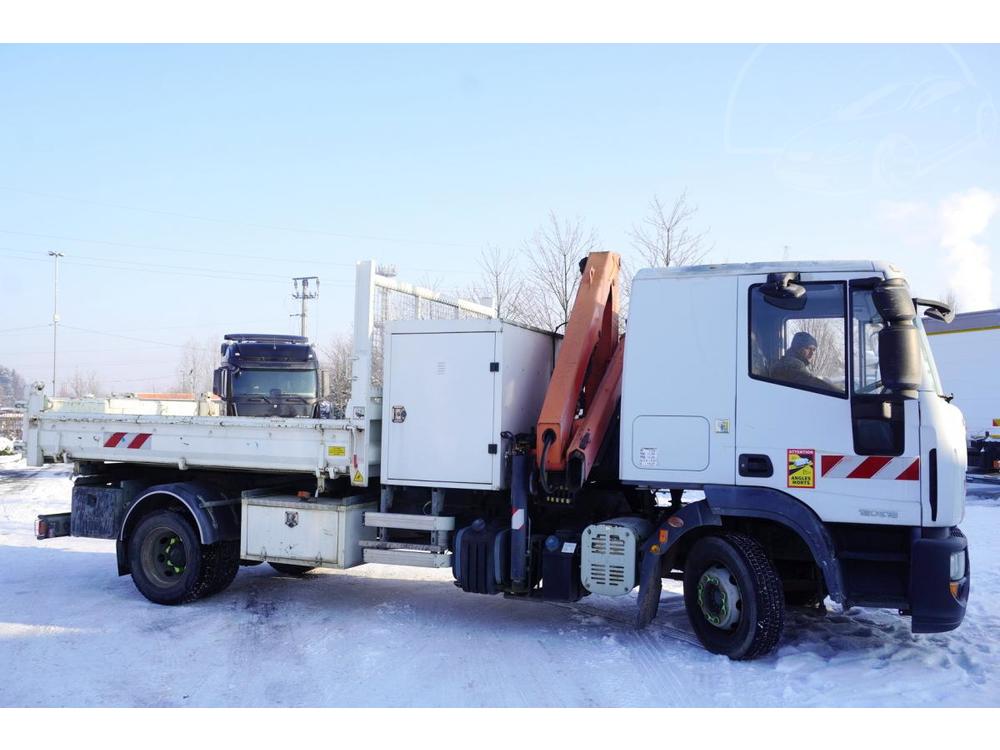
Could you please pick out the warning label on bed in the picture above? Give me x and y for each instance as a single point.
(802, 468)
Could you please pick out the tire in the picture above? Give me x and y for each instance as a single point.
(222, 561)
(291, 570)
(171, 566)
(728, 567)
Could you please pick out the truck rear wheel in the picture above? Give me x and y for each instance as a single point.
(291, 570)
(733, 596)
(171, 566)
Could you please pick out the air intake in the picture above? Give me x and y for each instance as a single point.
(610, 555)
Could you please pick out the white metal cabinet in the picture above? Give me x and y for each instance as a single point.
(451, 388)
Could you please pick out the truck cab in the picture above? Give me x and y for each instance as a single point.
(268, 375)
(804, 396)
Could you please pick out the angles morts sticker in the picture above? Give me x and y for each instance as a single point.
(802, 468)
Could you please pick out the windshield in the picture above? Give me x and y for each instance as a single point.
(272, 383)
(866, 323)
(932, 380)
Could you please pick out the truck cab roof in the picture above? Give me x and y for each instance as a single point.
(786, 266)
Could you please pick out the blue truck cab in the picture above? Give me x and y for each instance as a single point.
(268, 375)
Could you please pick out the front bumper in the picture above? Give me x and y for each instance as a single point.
(937, 603)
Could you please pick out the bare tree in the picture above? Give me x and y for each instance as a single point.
(12, 386)
(500, 283)
(81, 385)
(553, 255)
(950, 298)
(828, 362)
(197, 365)
(665, 238)
(434, 283)
(337, 361)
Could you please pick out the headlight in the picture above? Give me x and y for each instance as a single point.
(958, 565)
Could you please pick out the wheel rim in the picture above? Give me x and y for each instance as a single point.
(719, 598)
(164, 558)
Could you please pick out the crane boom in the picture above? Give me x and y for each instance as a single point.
(587, 351)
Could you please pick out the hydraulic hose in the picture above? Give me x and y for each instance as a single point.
(543, 476)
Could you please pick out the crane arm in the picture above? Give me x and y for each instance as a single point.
(582, 366)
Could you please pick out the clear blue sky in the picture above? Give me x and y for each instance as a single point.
(312, 157)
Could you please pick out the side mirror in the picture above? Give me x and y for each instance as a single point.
(936, 310)
(221, 382)
(325, 383)
(783, 291)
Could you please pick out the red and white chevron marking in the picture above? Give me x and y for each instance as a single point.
(133, 440)
(905, 468)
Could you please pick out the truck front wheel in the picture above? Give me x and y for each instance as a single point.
(733, 596)
(171, 566)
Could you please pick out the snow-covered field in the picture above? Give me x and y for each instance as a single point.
(72, 633)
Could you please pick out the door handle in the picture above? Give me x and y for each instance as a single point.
(755, 465)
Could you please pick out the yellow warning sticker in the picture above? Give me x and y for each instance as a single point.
(802, 468)
(358, 478)
(337, 450)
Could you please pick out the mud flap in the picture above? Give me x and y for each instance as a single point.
(650, 588)
(663, 539)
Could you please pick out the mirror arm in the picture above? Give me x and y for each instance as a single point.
(947, 315)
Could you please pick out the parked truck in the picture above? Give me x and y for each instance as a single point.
(965, 349)
(790, 412)
(268, 375)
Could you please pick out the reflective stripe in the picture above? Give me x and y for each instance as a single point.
(517, 519)
(903, 468)
(132, 440)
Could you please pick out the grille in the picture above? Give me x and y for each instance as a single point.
(609, 559)
(616, 545)
(599, 544)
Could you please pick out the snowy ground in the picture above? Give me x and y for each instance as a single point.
(72, 633)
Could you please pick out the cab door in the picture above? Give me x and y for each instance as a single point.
(816, 425)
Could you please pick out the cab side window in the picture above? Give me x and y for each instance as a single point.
(801, 348)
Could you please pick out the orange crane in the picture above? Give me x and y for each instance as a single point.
(586, 382)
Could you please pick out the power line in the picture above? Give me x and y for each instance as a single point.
(134, 338)
(197, 251)
(79, 351)
(24, 328)
(165, 269)
(169, 249)
(140, 265)
(408, 241)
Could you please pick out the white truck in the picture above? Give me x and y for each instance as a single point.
(791, 411)
(965, 350)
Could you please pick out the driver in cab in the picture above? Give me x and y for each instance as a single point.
(794, 366)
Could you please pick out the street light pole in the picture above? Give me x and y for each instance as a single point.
(55, 315)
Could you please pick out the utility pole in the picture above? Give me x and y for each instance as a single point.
(55, 315)
(302, 292)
